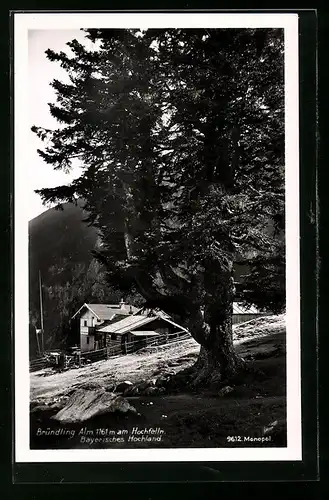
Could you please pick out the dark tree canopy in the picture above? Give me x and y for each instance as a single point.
(180, 136)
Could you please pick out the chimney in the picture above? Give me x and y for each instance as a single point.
(122, 304)
(130, 310)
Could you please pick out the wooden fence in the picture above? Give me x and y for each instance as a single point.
(93, 356)
(116, 349)
(242, 318)
(161, 341)
(38, 364)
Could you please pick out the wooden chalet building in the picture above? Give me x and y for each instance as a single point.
(122, 328)
(242, 313)
(90, 317)
(138, 330)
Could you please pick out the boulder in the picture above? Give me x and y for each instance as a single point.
(274, 427)
(54, 405)
(110, 387)
(131, 391)
(162, 381)
(142, 386)
(123, 386)
(277, 430)
(83, 405)
(225, 390)
(38, 408)
(151, 391)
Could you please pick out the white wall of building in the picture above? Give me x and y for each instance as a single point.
(87, 320)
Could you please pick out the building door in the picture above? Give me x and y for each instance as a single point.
(124, 344)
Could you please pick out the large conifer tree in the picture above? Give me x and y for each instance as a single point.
(181, 141)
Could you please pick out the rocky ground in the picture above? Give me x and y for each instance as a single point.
(111, 403)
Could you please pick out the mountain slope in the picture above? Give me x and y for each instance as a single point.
(58, 238)
(60, 246)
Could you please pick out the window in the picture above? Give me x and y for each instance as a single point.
(113, 336)
(87, 340)
(85, 322)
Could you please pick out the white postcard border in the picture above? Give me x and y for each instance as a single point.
(28, 21)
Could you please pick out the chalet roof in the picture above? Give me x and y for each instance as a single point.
(107, 311)
(134, 322)
(239, 308)
(127, 324)
(117, 317)
(144, 333)
(149, 311)
(165, 317)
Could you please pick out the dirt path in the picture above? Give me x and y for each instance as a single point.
(44, 385)
(134, 367)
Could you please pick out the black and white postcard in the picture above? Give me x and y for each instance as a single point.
(156, 171)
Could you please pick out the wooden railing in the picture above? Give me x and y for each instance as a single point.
(94, 355)
(38, 364)
(161, 342)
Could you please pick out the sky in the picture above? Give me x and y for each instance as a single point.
(41, 73)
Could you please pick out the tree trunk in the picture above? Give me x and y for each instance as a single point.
(217, 360)
(197, 326)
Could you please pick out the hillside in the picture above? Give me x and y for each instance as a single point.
(59, 238)
(60, 246)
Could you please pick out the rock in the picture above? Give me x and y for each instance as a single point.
(123, 386)
(277, 430)
(151, 391)
(161, 368)
(142, 386)
(249, 357)
(225, 390)
(83, 405)
(38, 408)
(269, 429)
(173, 363)
(110, 387)
(58, 405)
(91, 386)
(162, 381)
(54, 405)
(131, 391)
